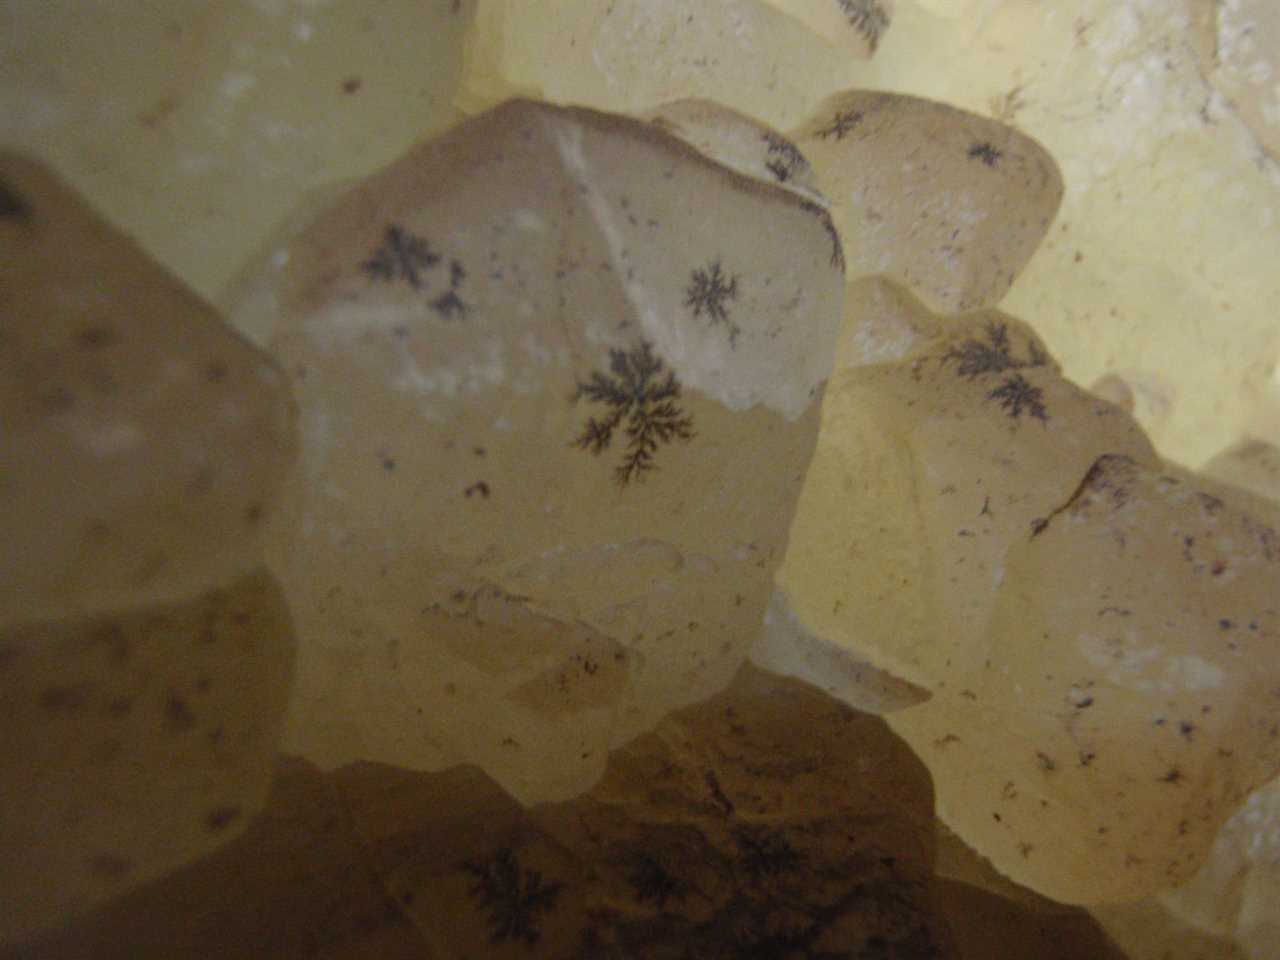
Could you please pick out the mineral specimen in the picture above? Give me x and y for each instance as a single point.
(1096, 629)
(949, 204)
(145, 655)
(541, 361)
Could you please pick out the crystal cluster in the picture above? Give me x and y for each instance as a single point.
(1095, 628)
(607, 415)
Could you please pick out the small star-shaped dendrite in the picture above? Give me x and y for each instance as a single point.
(710, 292)
(1016, 394)
(842, 123)
(639, 393)
(515, 898)
(402, 256)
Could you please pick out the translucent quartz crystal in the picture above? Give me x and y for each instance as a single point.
(143, 441)
(144, 654)
(541, 361)
(134, 742)
(198, 127)
(946, 203)
(1096, 628)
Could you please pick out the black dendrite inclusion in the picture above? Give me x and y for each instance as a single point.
(515, 898)
(403, 256)
(641, 397)
(710, 292)
(993, 354)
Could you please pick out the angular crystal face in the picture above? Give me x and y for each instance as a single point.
(540, 362)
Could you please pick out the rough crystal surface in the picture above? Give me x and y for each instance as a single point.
(537, 383)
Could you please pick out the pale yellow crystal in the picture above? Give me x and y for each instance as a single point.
(481, 339)
(134, 742)
(922, 480)
(982, 528)
(197, 127)
(947, 203)
(143, 440)
(1123, 704)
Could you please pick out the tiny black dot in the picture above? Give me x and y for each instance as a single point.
(221, 817)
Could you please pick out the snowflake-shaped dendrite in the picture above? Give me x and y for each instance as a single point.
(843, 122)
(710, 292)
(868, 17)
(1016, 395)
(639, 393)
(402, 256)
(514, 898)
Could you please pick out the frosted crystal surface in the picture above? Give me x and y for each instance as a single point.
(532, 517)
